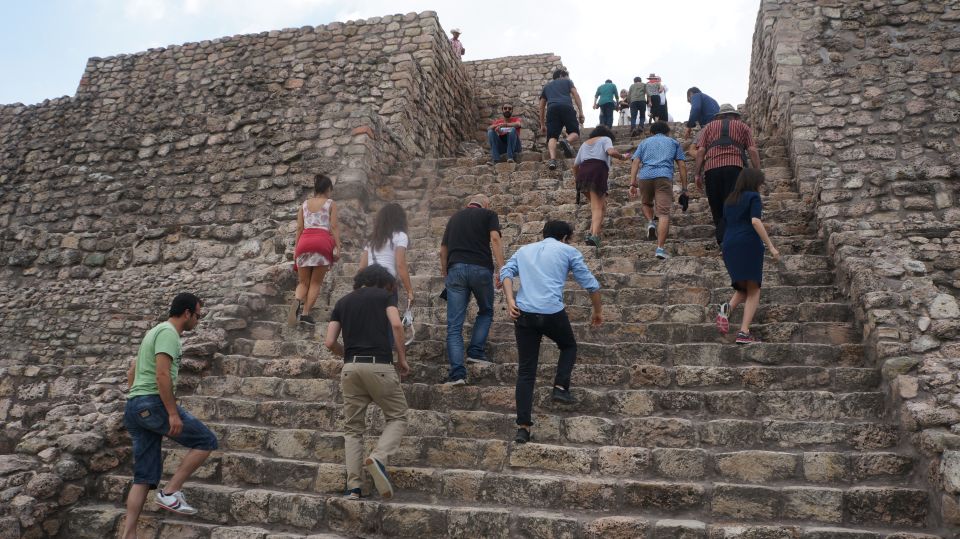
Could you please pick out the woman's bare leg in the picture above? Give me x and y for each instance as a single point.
(316, 281)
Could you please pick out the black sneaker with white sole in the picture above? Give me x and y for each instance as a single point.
(566, 147)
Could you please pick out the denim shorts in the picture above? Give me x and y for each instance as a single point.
(147, 422)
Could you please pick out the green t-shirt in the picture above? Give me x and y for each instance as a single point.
(162, 339)
(607, 92)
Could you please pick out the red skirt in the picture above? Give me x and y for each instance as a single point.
(315, 240)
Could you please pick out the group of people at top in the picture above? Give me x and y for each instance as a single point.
(638, 99)
(472, 263)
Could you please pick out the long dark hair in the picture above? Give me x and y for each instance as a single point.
(391, 218)
(603, 131)
(749, 180)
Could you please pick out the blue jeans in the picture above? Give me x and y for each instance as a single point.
(606, 114)
(462, 280)
(509, 143)
(147, 422)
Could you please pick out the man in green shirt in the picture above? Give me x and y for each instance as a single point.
(638, 105)
(152, 412)
(606, 100)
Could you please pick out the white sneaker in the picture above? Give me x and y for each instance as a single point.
(651, 231)
(460, 382)
(175, 502)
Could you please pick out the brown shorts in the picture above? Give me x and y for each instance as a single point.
(657, 193)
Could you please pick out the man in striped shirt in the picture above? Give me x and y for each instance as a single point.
(722, 151)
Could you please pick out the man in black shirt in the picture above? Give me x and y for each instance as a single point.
(366, 316)
(470, 242)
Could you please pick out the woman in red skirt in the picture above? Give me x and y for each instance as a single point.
(318, 246)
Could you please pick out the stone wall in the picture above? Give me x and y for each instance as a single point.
(175, 169)
(864, 94)
(514, 79)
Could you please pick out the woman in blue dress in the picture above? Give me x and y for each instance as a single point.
(743, 246)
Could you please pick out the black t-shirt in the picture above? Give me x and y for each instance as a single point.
(363, 318)
(467, 237)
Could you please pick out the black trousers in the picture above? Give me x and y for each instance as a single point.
(719, 184)
(530, 329)
(638, 108)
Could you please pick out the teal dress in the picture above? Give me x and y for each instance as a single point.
(742, 247)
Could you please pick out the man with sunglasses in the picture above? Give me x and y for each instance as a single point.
(504, 136)
(152, 413)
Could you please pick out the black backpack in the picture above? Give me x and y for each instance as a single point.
(725, 140)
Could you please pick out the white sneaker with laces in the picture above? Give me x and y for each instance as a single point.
(175, 502)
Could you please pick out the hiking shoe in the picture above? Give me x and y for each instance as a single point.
(566, 147)
(307, 319)
(380, 478)
(522, 437)
(479, 360)
(592, 240)
(491, 162)
(562, 396)
(651, 231)
(353, 494)
(746, 338)
(175, 502)
(723, 319)
(458, 382)
(552, 164)
(661, 253)
(511, 160)
(296, 309)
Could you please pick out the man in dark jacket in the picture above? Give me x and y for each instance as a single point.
(702, 109)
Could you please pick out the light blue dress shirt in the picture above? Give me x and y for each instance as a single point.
(543, 267)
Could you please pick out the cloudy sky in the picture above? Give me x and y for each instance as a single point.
(44, 44)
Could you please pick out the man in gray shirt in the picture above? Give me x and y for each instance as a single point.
(557, 112)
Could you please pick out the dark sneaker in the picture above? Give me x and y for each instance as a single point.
(175, 502)
(592, 240)
(353, 494)
(566, 148)
(562, 396)
(651, 231)
(552, 164)
(380, 478)
(723, 318)
(522, 437)
(491, 162)
(746, 338)
(307, 319)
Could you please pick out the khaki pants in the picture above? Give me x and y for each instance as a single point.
(363, 383)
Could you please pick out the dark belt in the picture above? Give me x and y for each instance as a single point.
(369, 359)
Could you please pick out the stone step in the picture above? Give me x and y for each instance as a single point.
(98, 521)
(626, 374)
(675, 333)
(413, 514)
(564, 427)
(271, 355)
(793, 404)
(649, 463)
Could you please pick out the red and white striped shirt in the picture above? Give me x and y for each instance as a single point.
(725, 156)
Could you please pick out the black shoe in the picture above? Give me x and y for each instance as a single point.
(566, 147)
(522, 437)
(563, 396)
(552, 164)
(307, 319)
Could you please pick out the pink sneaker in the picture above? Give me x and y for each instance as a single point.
(723, 319)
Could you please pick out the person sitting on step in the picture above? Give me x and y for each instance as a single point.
(317, 248)
(538, 311)
(366, 317)
(503, 135)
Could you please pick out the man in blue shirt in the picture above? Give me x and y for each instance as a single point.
(653, 168)
(539, 311)
(702, 109)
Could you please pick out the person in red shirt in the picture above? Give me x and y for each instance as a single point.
(504, 136)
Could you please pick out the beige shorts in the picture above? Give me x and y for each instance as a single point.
(657, 193)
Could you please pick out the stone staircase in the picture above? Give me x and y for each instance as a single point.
(677, 432)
